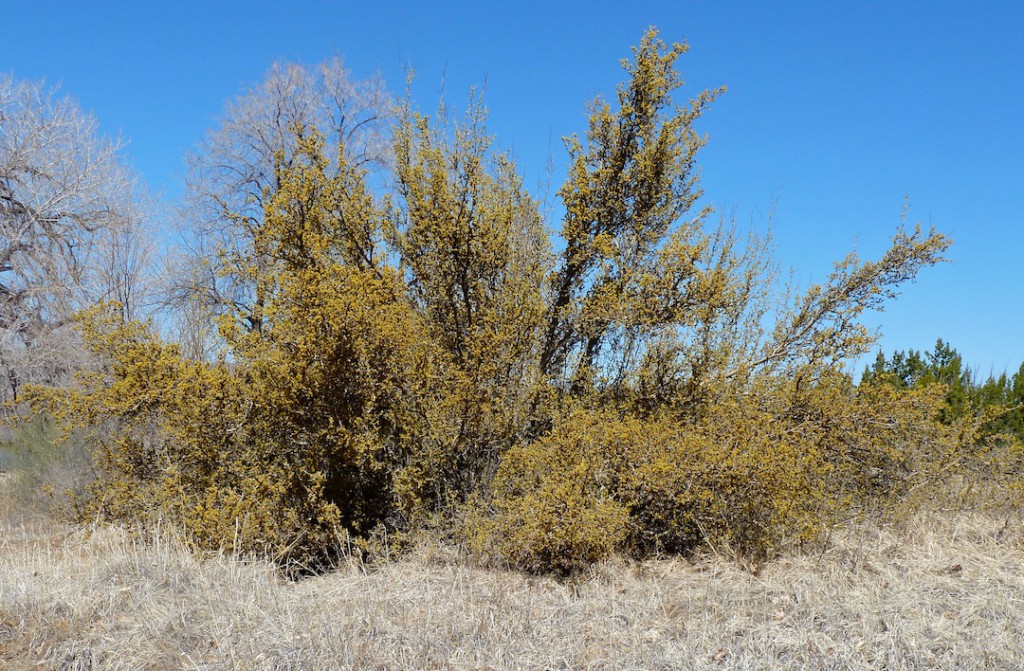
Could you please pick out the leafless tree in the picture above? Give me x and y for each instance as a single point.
(70, 226)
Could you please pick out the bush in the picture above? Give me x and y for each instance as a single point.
(749, 476)
(387, 365)
(275, 454)
(553, 505)
(600, 483)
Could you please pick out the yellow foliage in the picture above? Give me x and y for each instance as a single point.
(425, 357)
(476, 254)
(751, 474)
(601, 483)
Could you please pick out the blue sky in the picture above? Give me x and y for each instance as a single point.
(835, 111)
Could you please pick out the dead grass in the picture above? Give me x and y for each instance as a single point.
(945, 593)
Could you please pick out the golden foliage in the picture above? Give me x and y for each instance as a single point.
(476, 255)
(754, 472)
(427, 357)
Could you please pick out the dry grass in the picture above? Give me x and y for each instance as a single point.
(948, 593)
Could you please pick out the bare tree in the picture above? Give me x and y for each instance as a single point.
(124, 273)
(233, 171)
(70, 226)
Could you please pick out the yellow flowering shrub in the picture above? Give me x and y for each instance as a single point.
(426, 359)
(750, 475)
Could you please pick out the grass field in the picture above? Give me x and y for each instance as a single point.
(943, 593)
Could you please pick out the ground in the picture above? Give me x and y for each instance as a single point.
(946, 591)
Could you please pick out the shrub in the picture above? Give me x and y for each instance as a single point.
(600, 483)
(750, 475)
(386, 364)
(554, 506)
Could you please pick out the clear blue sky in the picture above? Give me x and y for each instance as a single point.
(835, 111)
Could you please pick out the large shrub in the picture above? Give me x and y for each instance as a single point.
(747, 476)
(402, 362)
